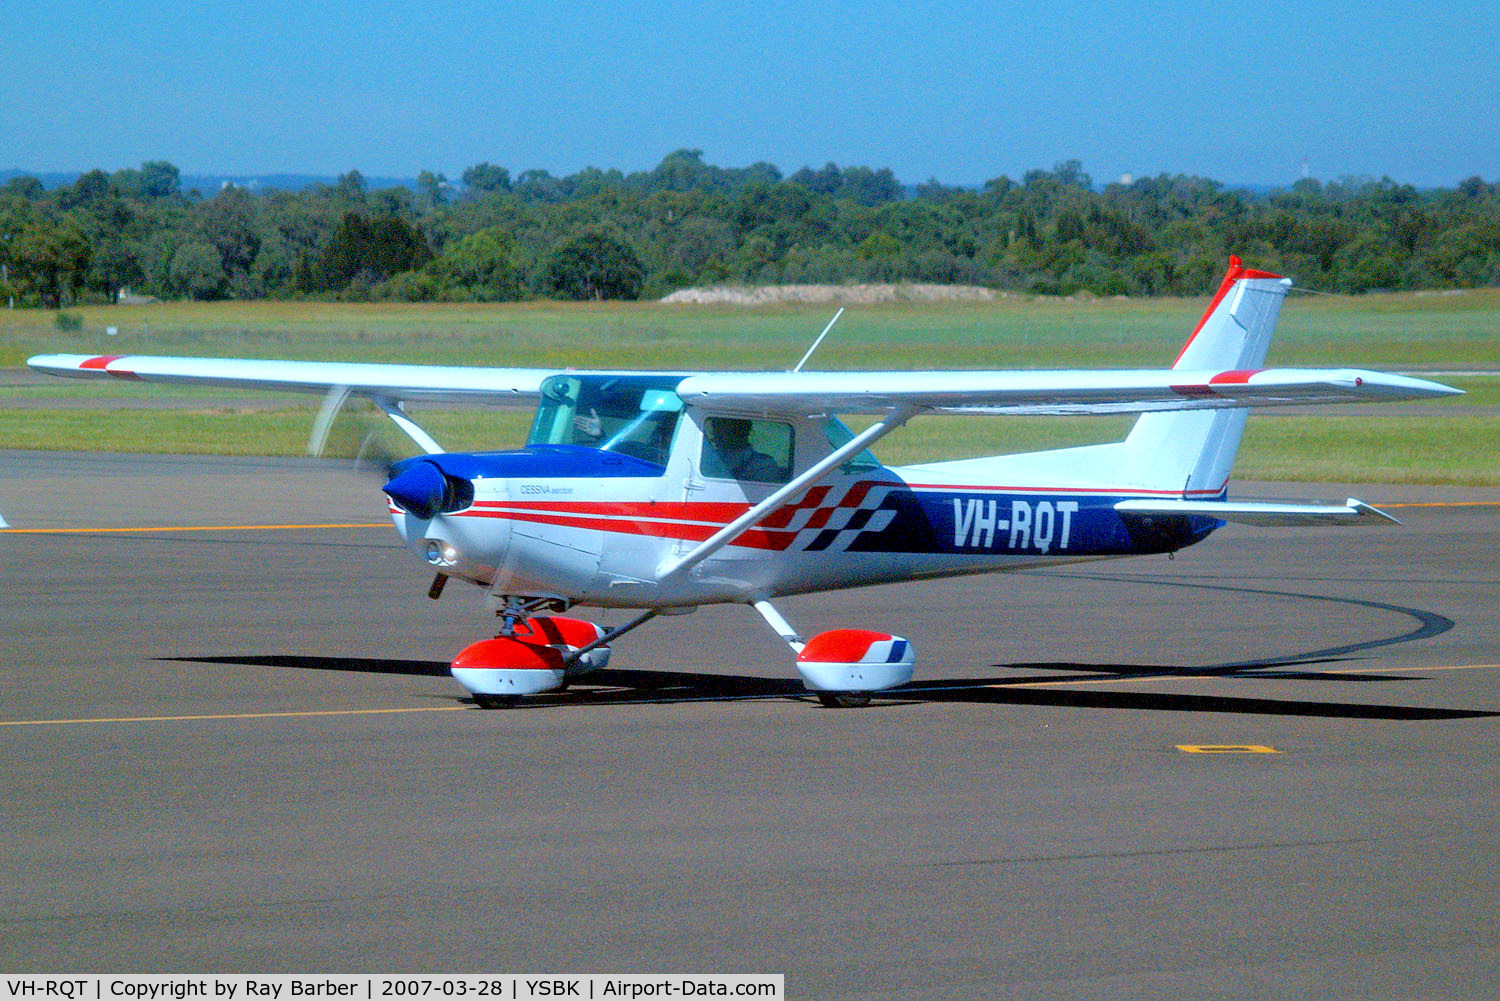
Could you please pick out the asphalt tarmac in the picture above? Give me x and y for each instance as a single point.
(228, 743)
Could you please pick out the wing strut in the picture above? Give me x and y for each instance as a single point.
(392, 409)
(389, 405)
(737, 527)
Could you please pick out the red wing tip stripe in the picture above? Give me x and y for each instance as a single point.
(1234, 377)
(102, 363)
(1238, 377)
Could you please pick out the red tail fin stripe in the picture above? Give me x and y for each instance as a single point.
(1236, 271)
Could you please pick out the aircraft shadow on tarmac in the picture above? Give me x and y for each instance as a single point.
(618, 686)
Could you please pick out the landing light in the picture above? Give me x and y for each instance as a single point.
(441, 554)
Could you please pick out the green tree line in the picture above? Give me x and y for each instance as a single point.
(605, 234)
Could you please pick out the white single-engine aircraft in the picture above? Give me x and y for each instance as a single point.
(663, 491)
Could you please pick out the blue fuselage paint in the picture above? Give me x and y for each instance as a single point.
(988, 521)
(538, 461)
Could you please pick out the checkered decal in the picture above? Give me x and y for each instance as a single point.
(831, 526)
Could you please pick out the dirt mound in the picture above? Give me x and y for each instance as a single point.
(771, 295)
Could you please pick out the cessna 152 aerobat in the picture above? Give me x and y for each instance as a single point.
(663, 491)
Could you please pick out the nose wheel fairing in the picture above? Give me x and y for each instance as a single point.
(537, 654)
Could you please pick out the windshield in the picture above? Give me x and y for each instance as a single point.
(632, 415)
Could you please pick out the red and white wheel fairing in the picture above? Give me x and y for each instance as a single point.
(531, 660)
(855, 660)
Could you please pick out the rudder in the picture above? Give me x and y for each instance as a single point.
(1192, 451)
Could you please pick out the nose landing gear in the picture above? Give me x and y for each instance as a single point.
(534, 653)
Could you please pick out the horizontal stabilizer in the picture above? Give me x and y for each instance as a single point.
(1264, 513)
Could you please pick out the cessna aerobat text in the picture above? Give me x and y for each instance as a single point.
(663, 491)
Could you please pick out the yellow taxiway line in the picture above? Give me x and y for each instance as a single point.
(1190, 676)
(466, 708)
(1442, 504)
(189, 528)
(281, 715)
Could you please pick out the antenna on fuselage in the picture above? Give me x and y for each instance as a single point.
(819, 340)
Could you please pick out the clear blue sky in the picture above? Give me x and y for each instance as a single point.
(957, 91)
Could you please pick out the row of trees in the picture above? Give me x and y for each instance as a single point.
(604, 234)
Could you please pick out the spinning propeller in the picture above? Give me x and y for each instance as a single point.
(418, 484)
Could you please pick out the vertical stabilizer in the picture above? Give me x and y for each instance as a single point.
(1192, 451)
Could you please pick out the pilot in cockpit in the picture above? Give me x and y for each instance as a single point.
(731, 456)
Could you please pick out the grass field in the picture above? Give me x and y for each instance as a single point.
(1450, 442)
(1394, 331)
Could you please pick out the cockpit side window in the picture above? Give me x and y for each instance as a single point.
(838, 435)
(737, 448)
(630, 415)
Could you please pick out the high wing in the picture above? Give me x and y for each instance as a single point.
(967, 392)
(404, 382)
(1046, 392)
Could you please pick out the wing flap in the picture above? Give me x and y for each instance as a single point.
(1269, 514)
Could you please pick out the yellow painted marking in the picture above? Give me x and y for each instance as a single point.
(1443, 504)
(1403, 670)
(174, 719)
(188, 528)
(1085, 681)
(1227, 749)
(1249, 675)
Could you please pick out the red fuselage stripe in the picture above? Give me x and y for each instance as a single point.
(754, 538)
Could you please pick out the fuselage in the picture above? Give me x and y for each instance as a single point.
(621, 482)
(594, 527)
